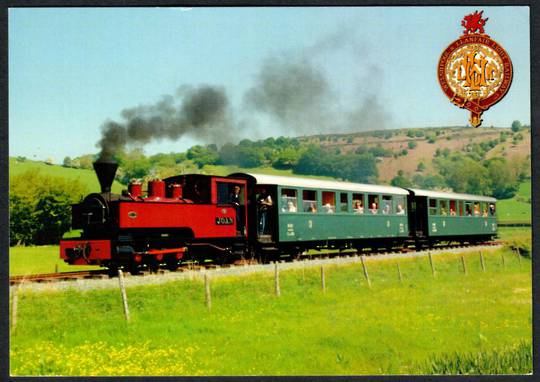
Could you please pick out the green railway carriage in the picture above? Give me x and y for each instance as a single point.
(452, 217)
(308, 213)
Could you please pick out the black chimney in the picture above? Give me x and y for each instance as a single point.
(105, 171)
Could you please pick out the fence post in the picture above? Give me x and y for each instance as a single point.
(14, 308)
(482, 261)
(303, 271)
(276, 280)
(431, 263)
(464, 266)
(124, 296)
(503, 261)
(55, 268)
(365, 270)
(399, 273)
(207, 292)
(518, 255)
(323, 282)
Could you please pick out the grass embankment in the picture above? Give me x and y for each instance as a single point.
(36, 260)
(86, 177)
(392, 328)
(516, 210)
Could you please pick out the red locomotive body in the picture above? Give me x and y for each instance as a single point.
(181, 213)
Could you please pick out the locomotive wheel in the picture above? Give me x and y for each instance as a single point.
(112, 271)
(134, 269)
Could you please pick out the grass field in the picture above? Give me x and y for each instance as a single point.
(86, 177)
(37, 260)
(517, 209)
(392, 328)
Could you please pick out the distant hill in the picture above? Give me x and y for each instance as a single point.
(426, 141)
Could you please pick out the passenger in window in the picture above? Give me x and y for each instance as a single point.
(443, 211)
(374, 208)
(386, 209)
(290, 206)
(312, 207)
(485, 213)
(400, 210)
(327, 208)
(468, 211)
(264, 203)
(492, 209)
(452, 212)
(358, 207)
(476, 210)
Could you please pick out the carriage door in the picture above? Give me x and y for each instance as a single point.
(420, 215)
(233, 193)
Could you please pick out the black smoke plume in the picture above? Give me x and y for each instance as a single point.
(201, 112)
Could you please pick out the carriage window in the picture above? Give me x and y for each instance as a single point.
(433, 207)
(343, 202)
(288, 200)
(401, 207)
(461, 208)
(477, 211)
(328, 202)
(491, 209)
(443, 205)
(468, 208)
(309, 201)
(452, 208)
(386, 205)
(484, 209)
(373, 203)
(358, 203)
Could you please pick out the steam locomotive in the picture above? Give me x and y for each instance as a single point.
(223, 218)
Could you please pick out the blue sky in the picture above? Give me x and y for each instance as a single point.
(72, 69)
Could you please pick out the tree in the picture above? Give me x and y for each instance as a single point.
(203, 155)
(516, 126)
(400, 180)
(411, 145)
(502, 177)
(40, 207)
(67, 162)
(464, 174)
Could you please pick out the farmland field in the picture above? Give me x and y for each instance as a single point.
(390, 328)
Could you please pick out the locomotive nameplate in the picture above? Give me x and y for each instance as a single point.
(224, 221)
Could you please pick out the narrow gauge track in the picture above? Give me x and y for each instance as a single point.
(102, 273)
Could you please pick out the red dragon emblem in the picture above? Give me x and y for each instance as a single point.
(474, 23)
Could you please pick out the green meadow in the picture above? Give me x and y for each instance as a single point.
(518, 208)
(448, 323)
(86, 177)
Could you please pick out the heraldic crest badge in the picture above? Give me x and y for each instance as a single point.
(474, 71)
